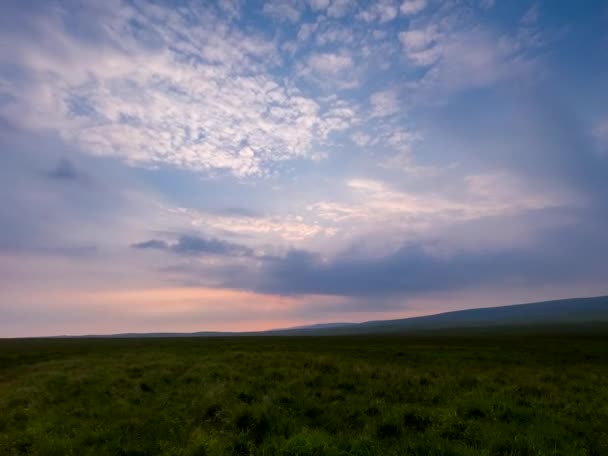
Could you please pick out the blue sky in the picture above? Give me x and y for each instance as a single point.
(181, 166)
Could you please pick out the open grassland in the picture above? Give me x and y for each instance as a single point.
(507, 394)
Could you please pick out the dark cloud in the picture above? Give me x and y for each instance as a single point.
(411, 269)
(151, 244)
(557, 255)
(64, 170)
(194, 245)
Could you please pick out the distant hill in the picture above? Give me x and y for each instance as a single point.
(316, 326)
(563, 312)
(547, 313)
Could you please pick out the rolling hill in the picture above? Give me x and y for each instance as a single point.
(562, 312)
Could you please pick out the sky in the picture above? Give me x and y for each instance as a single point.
(193, 165)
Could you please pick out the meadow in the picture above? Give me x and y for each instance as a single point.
(433, 394)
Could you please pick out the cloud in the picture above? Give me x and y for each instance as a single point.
(230, 7)
(379, 216)
(383, 11)
(421, 45)
(333, 8)
(417, 269)
(151, 244)
(460, 52)
(64, 170)
(330, 70)
(264, 229)
(405, 162)
(189, 245)
(418, 39)
(361, 139)
(339, 8)
(385, 103)
(319, 4)
(282, 9)
(330, 33)
(486, 195)
(306, 31)
(386, 131)
(410, 7)
(410, 269)
(329, 63)
(194, 245)
(239, 212)
(163, 92)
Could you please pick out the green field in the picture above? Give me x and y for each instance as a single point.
(484, 394)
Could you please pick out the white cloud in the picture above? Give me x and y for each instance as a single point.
(361, 139)
(340, 8)
(404, 162)
(385, 103)
(418, 39)
(283, 9)
(260, 230)
(306, 30)
(319, 4)
(334, 34)
(330, 63)
(410, 7)
(461, 54)
(390, 135)
(375, 207)
(383, 11)
(333, 8)
(230, 7)
(334, 70)
(503, 192)
(203, 98)
(421, 45)
(473, 58)
(340, 116)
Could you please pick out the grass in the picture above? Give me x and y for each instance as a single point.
(507, 394)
